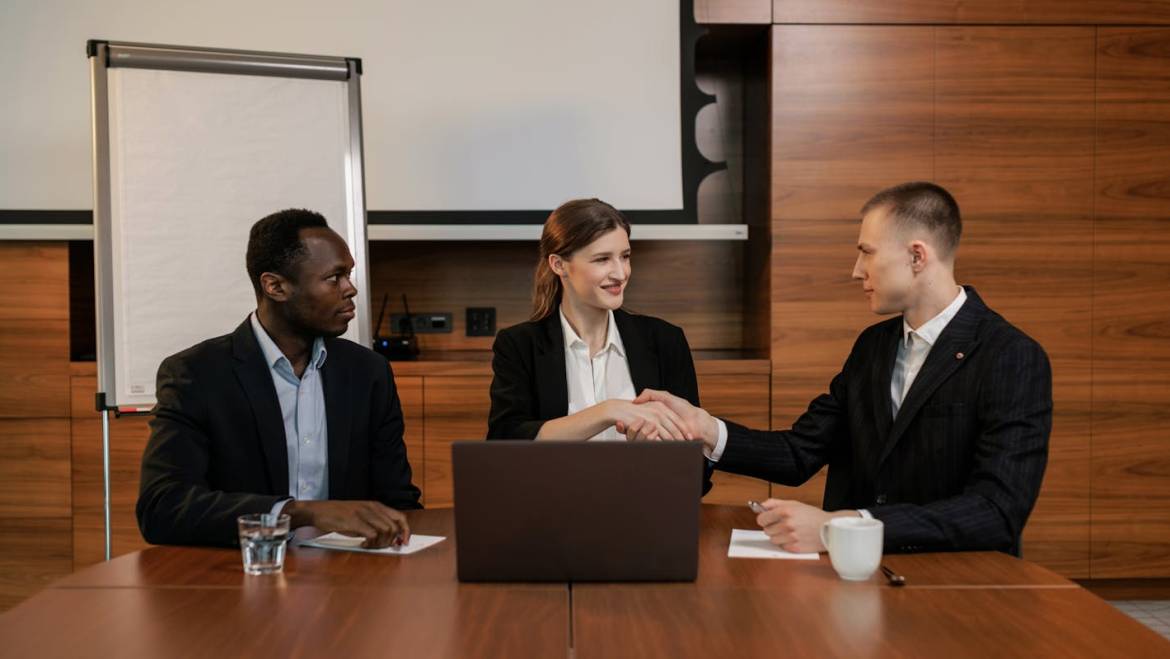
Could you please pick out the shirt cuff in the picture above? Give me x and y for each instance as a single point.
(865, 513)
(279, 506)
(720, 443)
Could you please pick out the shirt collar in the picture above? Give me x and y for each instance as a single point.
(613, 338)
(272, 353)
(931, 329)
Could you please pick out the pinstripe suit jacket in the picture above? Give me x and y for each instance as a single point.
(959, 468)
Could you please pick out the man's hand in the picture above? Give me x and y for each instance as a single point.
(379, 525)
(700, 424)
(794, 526)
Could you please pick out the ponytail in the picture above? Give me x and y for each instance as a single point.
(546, 291)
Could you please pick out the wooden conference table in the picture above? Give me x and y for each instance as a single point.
(179, 601)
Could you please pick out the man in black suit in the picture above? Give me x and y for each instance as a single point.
(280, 416)
(937, 424)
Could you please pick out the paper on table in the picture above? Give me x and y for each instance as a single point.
(755, 544)
(349, 543)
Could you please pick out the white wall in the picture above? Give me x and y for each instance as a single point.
(469, 105)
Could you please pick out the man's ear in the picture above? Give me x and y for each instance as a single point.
(275, 286)
(918, 255)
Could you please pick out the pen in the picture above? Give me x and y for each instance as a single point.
(755, 506)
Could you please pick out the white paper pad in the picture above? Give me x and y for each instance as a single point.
(755, 544)
(349, 543)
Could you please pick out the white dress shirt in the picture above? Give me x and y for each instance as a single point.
(302, 410)
(596, 378)
(912, 352)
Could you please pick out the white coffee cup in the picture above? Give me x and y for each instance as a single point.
(855, 546)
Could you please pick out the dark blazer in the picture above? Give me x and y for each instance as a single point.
(217, 446)
(961, 465)
(530, 384)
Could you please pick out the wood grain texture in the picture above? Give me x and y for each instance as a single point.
(1131, 315)
(34, 330)
(744, 399)
(410, 394)
(456, 409)
(696, 285)
(852, 113)
(128, 437)
(150, 602)
(617, 621)
(456, 621)
(1003, 117)
(34, 469)
(1014, 144)
(733, 11)
(1001, 12)
(34, 552)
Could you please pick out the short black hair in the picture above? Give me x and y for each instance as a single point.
(275, 245)
(925, 205)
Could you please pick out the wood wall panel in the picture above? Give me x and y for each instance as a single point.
(733, 11)
(34, 552)
(410, 394)
(34, 468)
(1131, 324)
(1014, 144)
(128, 436)
(1003, 12)
(34, 330)
(852, 113)
(743, 399)
(456, 409)
(697, 285)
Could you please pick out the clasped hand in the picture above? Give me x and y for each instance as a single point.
(658, 415)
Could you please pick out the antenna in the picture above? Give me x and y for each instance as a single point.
(409, 320)
(381, 313)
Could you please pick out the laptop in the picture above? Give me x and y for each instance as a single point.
(577, 511)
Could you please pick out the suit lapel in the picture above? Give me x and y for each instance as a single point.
(552, 383)
(882, 372)
(256, 380)
(640, 355)
(336, 379)
(954, 346)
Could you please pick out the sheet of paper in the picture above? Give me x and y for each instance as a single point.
(348, 543)
(755, 544)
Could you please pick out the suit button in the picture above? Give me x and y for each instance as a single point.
(880, 500)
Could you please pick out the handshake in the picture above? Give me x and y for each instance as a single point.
(658, 415)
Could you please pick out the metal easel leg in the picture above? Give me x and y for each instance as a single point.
(106, 474)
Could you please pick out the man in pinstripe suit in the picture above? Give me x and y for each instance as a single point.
(938, 422)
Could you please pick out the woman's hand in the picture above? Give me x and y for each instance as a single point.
(648, 421)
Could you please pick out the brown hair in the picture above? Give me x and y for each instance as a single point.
(570, 227)
(924, 205)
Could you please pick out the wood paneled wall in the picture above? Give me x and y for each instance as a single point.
(1055, 140)
(1131, 307)
(35, 497)
(1001, 12)
(1014, 143)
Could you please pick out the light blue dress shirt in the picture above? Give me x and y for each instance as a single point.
(302, 406)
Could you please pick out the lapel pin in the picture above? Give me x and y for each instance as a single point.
(959, 355)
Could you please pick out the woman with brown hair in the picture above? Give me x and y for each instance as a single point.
(573, 370)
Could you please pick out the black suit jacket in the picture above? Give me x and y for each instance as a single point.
(530, 385)
(961, 465)
(217, 446)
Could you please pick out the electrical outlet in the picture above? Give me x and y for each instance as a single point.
(481, 321)
(423, 323)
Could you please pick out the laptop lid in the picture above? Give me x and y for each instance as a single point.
(577, 511)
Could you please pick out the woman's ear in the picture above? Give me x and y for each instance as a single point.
(556, 264)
